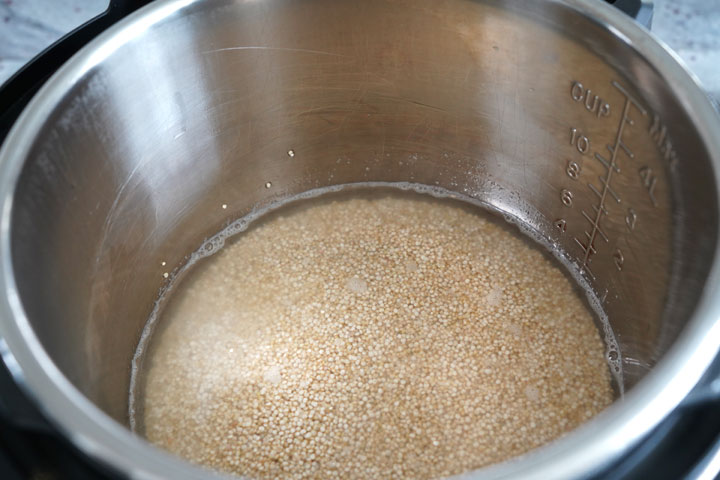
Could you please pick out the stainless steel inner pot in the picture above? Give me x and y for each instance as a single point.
(565, 115)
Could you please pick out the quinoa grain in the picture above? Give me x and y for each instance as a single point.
(396, 337)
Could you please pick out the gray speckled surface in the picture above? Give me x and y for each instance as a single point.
(690, 27)
(28, 26)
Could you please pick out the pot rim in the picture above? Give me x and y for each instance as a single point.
(585, 450)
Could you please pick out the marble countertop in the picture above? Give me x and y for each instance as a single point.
(690, 27)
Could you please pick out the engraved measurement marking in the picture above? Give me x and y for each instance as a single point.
(580, 141)
(599, 207)
(573, 169)
(561, 224)
(599, 230)
(593, 103)
(606, 191)
(567, 197)
(619, 259)
(631, 219)
(604, 296)
(649, 180)
(658, 132)
(609, 189)
(605, 163)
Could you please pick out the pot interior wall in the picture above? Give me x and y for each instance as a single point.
(200, 109)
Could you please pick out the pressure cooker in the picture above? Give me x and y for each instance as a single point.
(565, 116)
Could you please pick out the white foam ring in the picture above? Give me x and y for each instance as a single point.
(213, 244)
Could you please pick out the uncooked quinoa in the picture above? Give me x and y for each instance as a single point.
(395, 336)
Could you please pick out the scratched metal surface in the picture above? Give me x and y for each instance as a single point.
(690, 27)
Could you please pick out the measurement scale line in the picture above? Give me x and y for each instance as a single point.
(586, 267)
(629, 97)
(596, 192)
(614, 195)
(610, 190)
(590, 272)
(583, 247)
(587, 217)
(596, 208)
(602, 234)
(592, 248)
(627, 150)
(608, 177)
(623, 146)
(602, 160)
